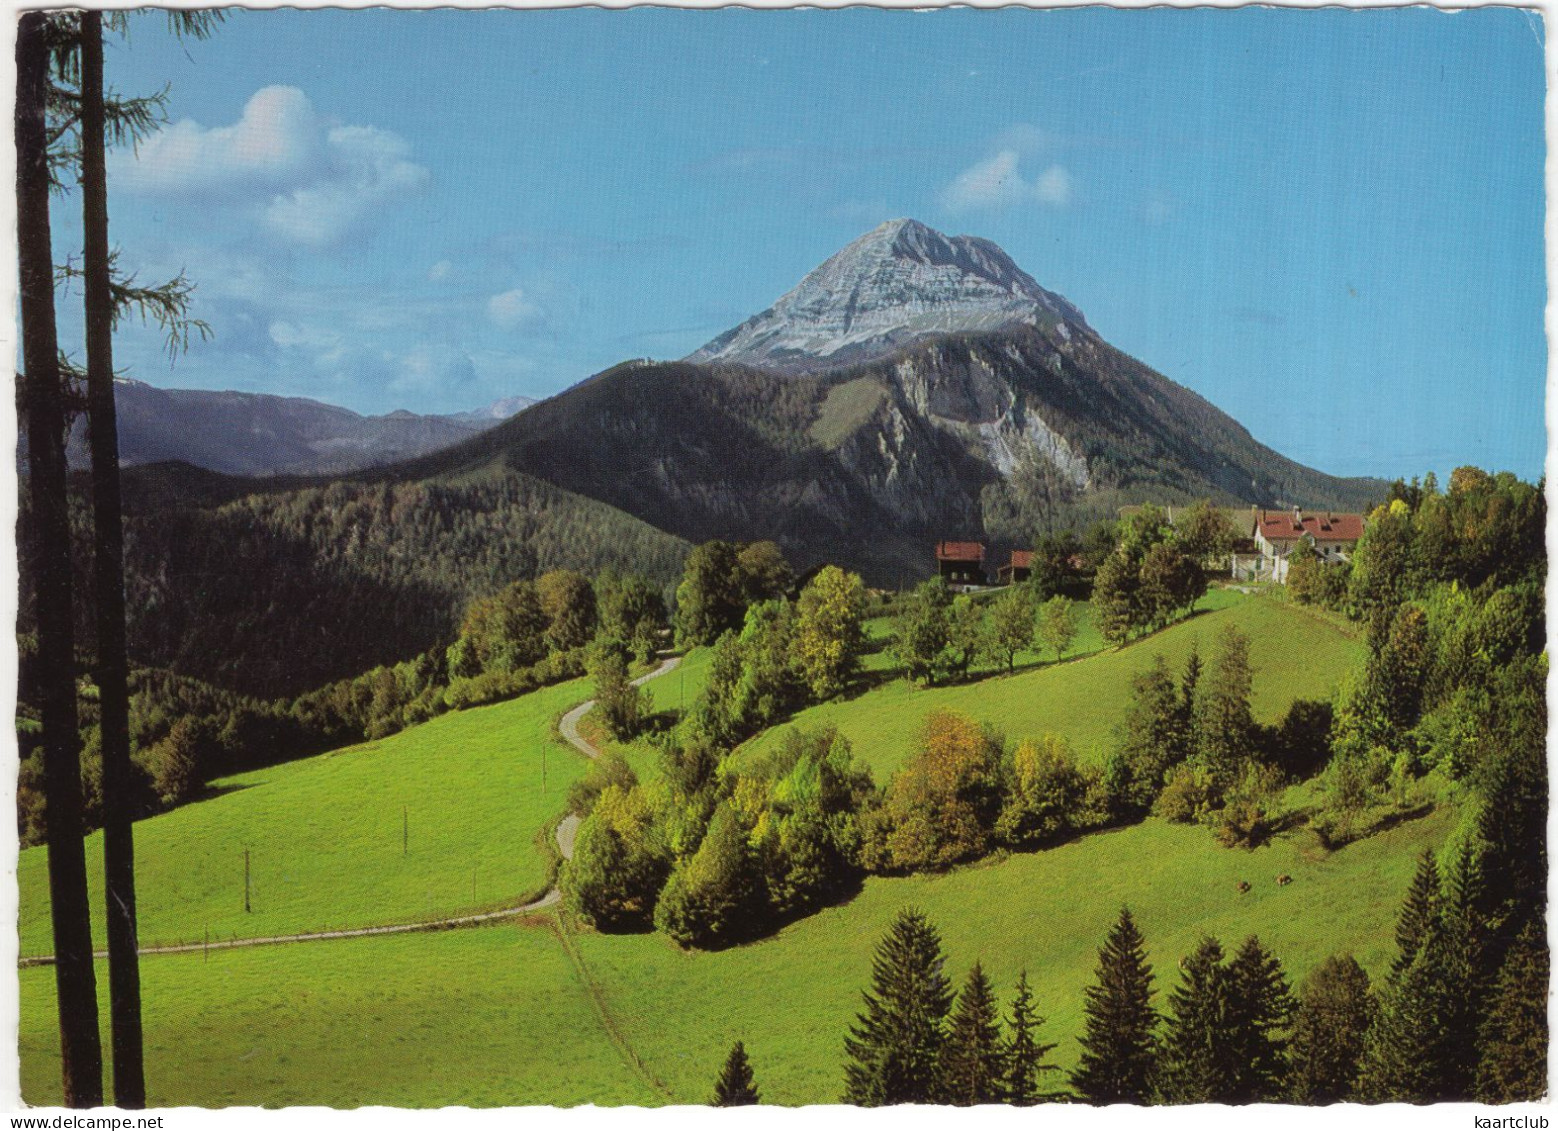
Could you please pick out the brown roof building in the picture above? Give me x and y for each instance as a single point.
(961, 562)
(1018, 568)
(1332, 536)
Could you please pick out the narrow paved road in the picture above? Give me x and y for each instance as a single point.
(567, 829)
(569, 726)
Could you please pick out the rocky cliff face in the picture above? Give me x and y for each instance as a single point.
(895, 285)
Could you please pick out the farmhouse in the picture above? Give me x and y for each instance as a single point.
(961, 563)
(1018, 568)
(1275, 533)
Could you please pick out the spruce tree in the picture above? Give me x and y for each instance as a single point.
(1335, 1010)
(1513, 1064)
(973, 1063)
(735, 1088)
(1150, 739)
(1195, 1064)
(1185, 716)
(1119, 1048)
(1024, 1054)
(1261, 1009)
(1420, 908)
(894, 1047)
(1224, 726)
(1404, 1054)
(1466, 984)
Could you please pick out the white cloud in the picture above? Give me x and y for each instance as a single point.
(433, 371)
(998, 183)
(309, 181)
(439, 271)
(1053, 187)
(511, 310)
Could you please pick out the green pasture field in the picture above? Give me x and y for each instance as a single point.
(500, 1015)
(482, 1017)
(1294, 654)
(324, 834)
(791, 998)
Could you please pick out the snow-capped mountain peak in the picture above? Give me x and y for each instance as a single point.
(899, 282)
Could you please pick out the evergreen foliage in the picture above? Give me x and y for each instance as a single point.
(1260, 1014)
(1119, 1045)
(1024, 1054)
(735, 1086)
(893, 1052)
(973, 1063)
(713, 897)
(1512, 1067)
(1196, 1058)
(1418, 912)
(1225, 728)
(1335, 1010)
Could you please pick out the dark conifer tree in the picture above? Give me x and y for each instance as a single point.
(1224, 727)
(1335, 1010)
(1186, 714)
(1195, 1064)
(1466, 982)
(1512, 826)
(1404, 1056)
(1119, 1048)
(1513, 1064)
(47, 538)
(1024, 1054)
(973, 1063)
(894, 1047)
(1261, 1008)
(735, 1088)
(1419, 910)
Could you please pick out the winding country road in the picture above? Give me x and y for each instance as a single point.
(567, 829)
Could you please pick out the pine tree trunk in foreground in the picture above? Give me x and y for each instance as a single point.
(124, 975)
(81, 1054)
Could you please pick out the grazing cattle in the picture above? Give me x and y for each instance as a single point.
(1284, 879)
(1244, 886)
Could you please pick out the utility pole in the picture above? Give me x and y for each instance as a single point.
(246, 881)
(405, 829)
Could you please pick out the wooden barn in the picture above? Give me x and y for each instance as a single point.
(1018, 568)
(961, 563)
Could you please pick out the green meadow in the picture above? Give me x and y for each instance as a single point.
(442, 818)
(527, 1013)
(1295, 654)
(501, 1015)
(483, 1017)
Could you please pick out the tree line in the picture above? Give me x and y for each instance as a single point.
(185, 732)
(1446, 1023)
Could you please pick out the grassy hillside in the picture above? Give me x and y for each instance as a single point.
(1295, 654)
(324, 834)
(481, 1018)
(1047, 911)
(497, 1015)
(519, 1014)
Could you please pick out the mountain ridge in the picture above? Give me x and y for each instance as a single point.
(263, 434)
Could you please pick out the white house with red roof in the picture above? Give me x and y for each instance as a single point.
(1331, 535)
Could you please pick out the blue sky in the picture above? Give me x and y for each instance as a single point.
(1327, 222)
